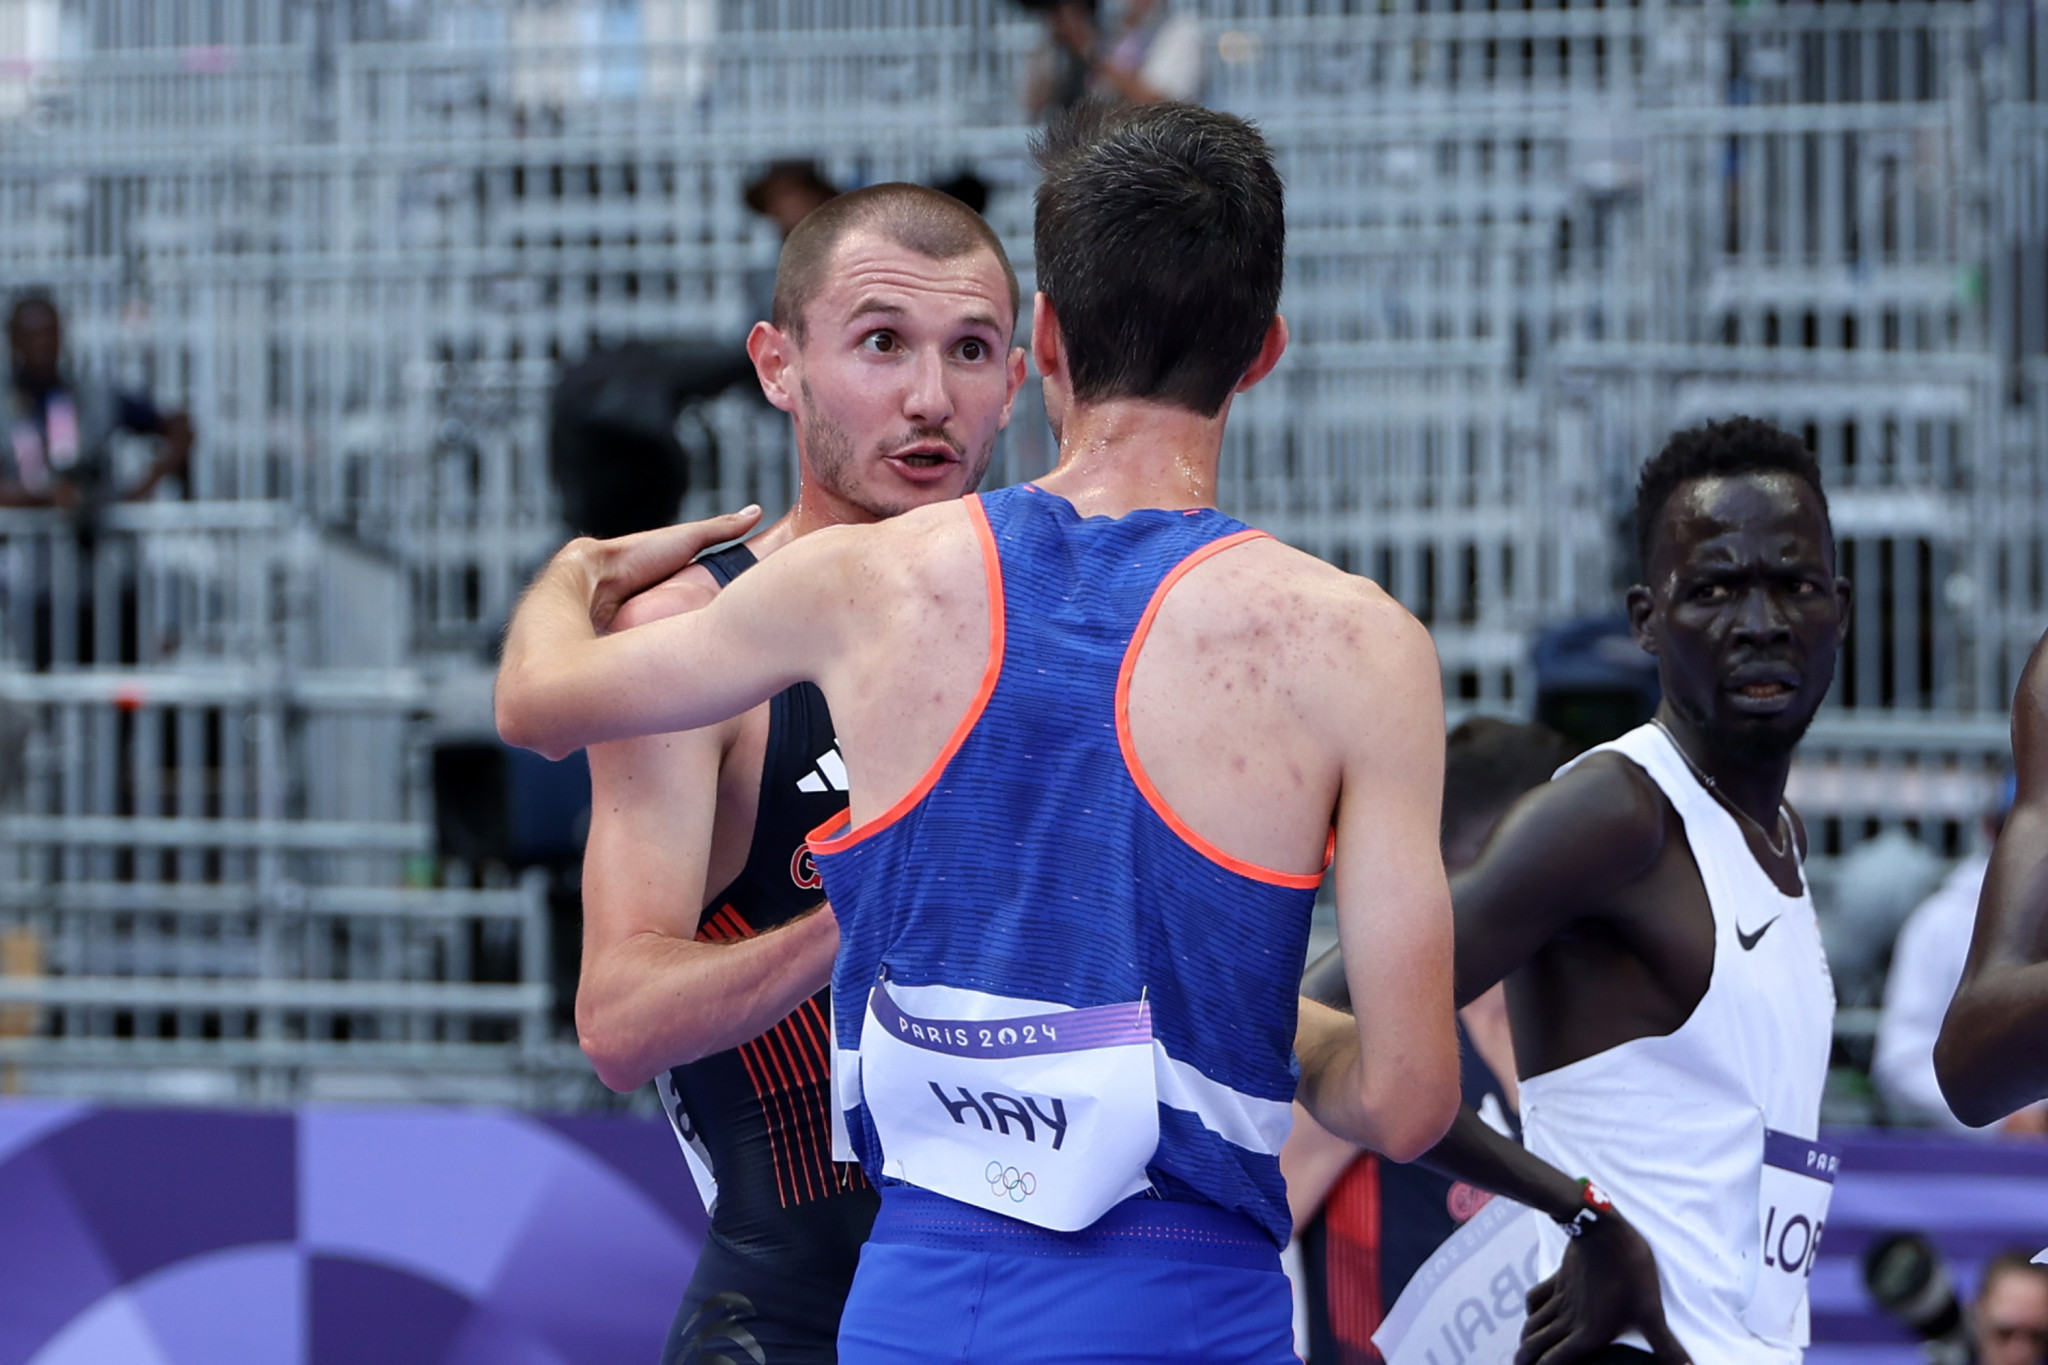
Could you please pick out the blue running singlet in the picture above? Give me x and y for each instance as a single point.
(1036, 863)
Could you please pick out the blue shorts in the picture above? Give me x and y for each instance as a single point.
(1153, 1281)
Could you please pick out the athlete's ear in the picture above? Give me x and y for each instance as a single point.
(1642, 612)
(1018, 368)
(1845, 602)
(1270, 350)
(1048, 348)
(1049, 353)
(773, 352)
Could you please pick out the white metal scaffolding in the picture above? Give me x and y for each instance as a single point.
(357, 238)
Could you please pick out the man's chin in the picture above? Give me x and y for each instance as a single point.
(1755, 741)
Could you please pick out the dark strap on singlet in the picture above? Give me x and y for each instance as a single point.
(727, 564)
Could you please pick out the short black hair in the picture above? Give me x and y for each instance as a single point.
(35, 296)
(1489, 763)
(1160, 243)
(1739, 445)
(935, 225)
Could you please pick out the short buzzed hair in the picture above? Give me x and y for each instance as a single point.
(933, 224)
(1739, 445)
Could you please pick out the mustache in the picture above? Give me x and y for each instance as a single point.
(923, 436)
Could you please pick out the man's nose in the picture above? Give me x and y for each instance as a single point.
(1760, 617)
(926, 401)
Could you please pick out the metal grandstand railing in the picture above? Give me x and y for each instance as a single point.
(216, 876)
(357, 240)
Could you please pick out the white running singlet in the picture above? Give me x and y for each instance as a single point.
(1673, 1128)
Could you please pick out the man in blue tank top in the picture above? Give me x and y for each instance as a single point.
(704, 949)
(1098, 736)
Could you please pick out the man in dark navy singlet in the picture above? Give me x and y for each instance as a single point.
(706, 947)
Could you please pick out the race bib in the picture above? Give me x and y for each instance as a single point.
(1467, 1303)
(1050, 1118)
(1797, 1181)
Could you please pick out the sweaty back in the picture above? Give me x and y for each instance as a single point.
(1032, 867)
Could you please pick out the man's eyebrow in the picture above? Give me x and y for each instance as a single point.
(983, 320)
(874, 305)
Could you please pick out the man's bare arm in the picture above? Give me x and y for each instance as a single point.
(1389, 1082)
(1560, 851)
(1992, 1055)
(651, 996)
(562, 685)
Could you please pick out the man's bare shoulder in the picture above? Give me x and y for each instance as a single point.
(1604, 803)
(901, 553)
(691, 589)
(1353, 623)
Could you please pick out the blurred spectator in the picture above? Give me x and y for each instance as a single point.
(1876, 888)
(1154, 55)
(787, 191)
(59, 428)
(1927, 965)
(1059, 74)
(2010, 1320)
(1367, 1225)
(1157, 56)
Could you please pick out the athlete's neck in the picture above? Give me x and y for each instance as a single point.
(816, 508)
(1756, 787)
(1118, 456)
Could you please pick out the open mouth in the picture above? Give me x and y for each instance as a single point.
(923, 462)
(1765, 691)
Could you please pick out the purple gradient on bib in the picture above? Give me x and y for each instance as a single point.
(1801, 1156)
(1035, 1035)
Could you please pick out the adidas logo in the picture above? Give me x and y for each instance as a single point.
(828, 774)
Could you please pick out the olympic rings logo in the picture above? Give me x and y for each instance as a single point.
(1008, 1180)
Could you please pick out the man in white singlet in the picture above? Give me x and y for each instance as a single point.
(1671, 1007)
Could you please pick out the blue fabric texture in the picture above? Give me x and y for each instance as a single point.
(926, 1300)
(1036, 868)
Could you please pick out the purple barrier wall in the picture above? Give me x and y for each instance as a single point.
(459, 1237)
(338, 1237)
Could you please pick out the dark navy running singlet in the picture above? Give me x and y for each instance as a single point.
(789, 1222)
(1035, 860)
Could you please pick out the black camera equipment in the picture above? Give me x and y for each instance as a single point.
(1907, 1277)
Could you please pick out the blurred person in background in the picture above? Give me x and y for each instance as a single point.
(705, 934)
(1367, 1225)
(1927, 966)
(786, 192)
(1154, 55)
(2009, 1322)
(59, 427)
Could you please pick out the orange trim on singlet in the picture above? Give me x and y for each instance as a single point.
(821, 840)
(1300, 880)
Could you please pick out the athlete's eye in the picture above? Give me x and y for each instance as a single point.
(973, 350)
(880, 342)
(1710, 592)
